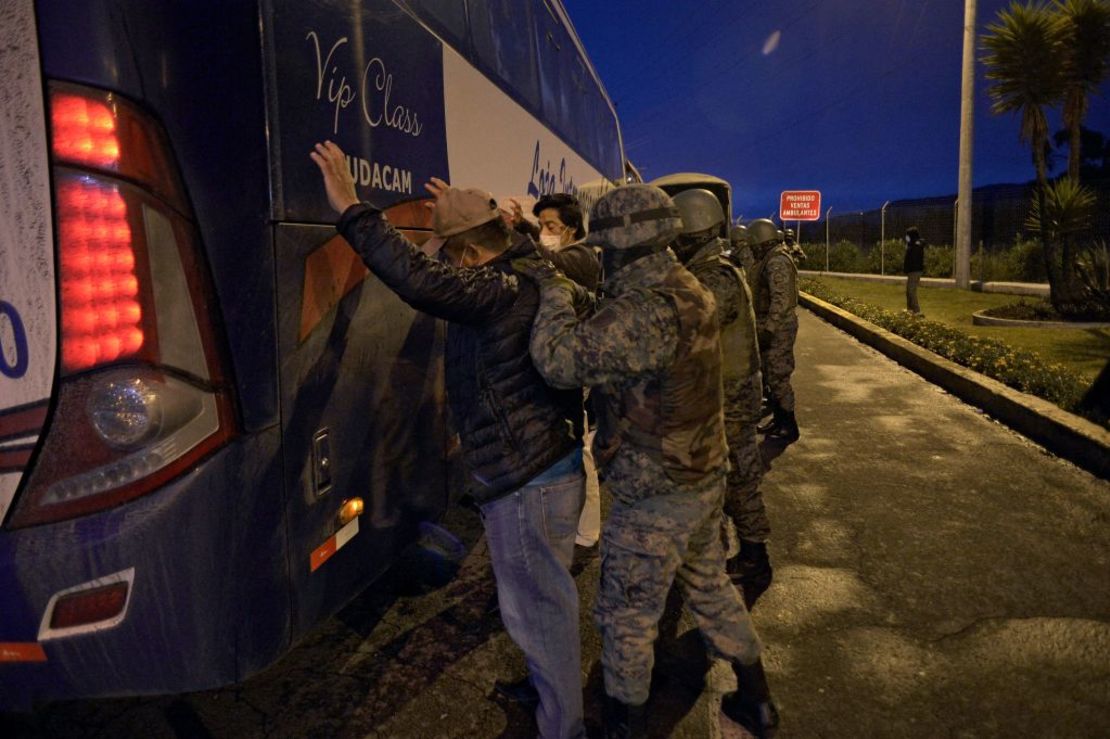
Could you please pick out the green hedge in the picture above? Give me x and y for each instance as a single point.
(1021, 370)
(1022, 262)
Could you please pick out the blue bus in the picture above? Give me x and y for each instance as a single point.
(215, 427)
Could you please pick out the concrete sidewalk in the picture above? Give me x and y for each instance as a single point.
(936, 573)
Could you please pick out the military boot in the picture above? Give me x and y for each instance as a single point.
(624, 720)
(750, 570)
(783, 427)
(751, 706)
(776, 414)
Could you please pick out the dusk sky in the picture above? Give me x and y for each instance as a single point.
(857, 98)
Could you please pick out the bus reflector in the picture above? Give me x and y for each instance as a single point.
(89, 606)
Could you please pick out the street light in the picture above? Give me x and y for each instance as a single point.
(828, 213)
(882, 238)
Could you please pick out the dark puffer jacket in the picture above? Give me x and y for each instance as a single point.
(512, 425)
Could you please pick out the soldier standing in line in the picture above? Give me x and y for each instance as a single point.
(774, 283)
(701, 249)
(742, 247)
(650, 352)
(796, 252)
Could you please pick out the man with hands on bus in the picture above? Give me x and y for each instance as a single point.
(520, 438)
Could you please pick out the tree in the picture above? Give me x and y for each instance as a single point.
(1023, 50)
(1086, 46)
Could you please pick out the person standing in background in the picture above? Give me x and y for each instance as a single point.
(913, 266)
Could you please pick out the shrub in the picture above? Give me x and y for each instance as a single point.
(844, 256)
(1022, 370)
(938, 261)
(1023, 310)
(892, 257)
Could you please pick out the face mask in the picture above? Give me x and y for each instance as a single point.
(550, 241)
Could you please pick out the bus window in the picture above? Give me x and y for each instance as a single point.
(447, 19)
(557, 55)
(504, 46)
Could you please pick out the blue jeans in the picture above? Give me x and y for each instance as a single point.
(531, 542)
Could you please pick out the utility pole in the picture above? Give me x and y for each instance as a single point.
(828, 215)
(882, 239)
(967, 127)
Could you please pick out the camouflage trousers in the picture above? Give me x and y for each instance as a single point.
(778, 362)
(645, 547)
(743, 501)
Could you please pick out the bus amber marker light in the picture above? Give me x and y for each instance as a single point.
(142, 394)
(350, 510)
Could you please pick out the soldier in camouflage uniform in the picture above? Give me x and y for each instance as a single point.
(701, 249)
(774, 283)
(650, 352)
(793, 247)
(742, 247)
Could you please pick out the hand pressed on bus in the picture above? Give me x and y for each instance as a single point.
(338, 182)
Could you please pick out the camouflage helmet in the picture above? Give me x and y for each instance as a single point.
(700, 210)
(763, 231)
(633, 215)
(738, 234)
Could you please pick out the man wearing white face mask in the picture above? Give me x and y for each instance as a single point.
(561, 230)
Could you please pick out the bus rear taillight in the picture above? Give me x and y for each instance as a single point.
(143, 394)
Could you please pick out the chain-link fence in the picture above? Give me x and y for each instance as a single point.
(1003, 248)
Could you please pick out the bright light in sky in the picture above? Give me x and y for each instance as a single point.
(771, 43)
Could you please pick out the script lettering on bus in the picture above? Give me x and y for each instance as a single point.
(341, 94)
(398, 116)
(375, 86)
(543, 181)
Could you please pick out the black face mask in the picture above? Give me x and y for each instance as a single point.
(686, 247)
(614, 259)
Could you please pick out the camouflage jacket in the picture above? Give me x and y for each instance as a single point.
(651, 352)
(774, 283)
(729, 285)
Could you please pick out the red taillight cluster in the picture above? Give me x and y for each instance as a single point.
(142, 396)
(102, 319)
(84, 131)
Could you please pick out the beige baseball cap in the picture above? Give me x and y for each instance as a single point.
(461, 209)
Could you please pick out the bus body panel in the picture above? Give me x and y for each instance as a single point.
(204, 610)
(366, 76)
(364, 372)
(494, 142)
(28, 326)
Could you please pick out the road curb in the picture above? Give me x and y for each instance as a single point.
(1035, 289)
(979, 318)
(1064, 434)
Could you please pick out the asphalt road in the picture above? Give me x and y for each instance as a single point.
(936, 575)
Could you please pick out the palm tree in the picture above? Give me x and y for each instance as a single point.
(1085, 64)
(1023, 49)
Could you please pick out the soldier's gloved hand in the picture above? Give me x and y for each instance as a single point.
(536, 269)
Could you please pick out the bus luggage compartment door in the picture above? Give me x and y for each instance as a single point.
(363, 416)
